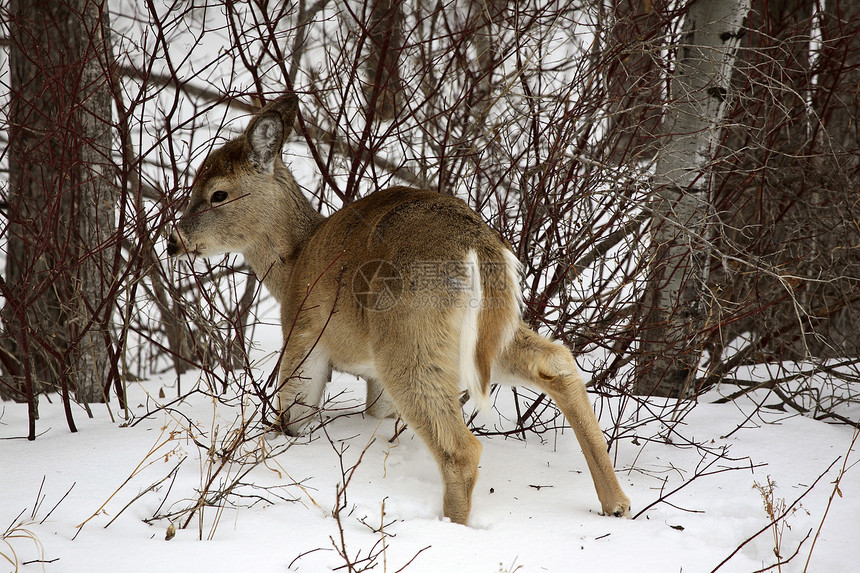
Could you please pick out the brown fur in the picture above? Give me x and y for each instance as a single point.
(384, 289)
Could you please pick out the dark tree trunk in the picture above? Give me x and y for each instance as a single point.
(636, 34)
(59, 278)
(383, 87)
(836, 140)
(789, 209)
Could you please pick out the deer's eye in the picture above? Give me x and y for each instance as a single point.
(218, 197)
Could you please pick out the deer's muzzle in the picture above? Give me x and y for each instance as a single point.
(173, 246)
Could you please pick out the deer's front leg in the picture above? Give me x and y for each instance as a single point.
(304, 373)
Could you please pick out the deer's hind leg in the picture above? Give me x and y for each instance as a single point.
(424, 388)
(551, 368)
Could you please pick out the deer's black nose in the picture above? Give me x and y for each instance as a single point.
(172, 245)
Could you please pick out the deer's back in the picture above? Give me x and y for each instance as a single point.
(395, 257)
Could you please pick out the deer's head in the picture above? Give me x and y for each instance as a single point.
(238, 187)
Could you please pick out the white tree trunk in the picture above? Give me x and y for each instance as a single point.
(675, 303)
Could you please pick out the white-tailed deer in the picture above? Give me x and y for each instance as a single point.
(408, 289)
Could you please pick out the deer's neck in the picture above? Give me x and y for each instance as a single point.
(291, 224)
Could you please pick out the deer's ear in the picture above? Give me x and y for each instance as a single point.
(265, 136)
(286, 106)
(268, 130)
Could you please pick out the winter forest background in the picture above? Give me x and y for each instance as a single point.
(681, 181)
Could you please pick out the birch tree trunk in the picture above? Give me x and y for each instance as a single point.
(675, 304)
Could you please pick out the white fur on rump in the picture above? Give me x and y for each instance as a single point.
(469, 331)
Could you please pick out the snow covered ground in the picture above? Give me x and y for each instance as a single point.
(534, 506)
